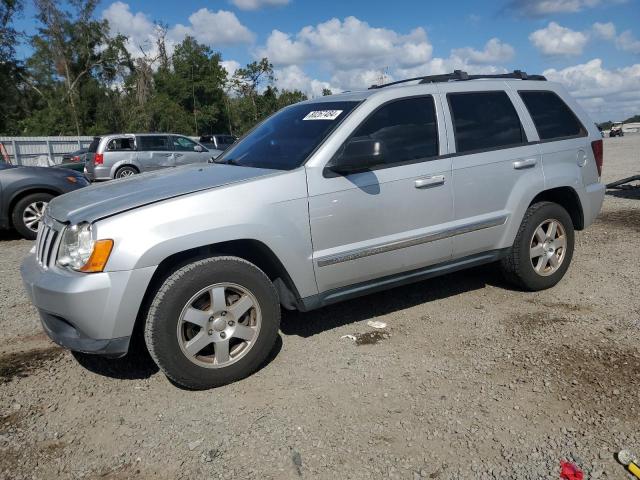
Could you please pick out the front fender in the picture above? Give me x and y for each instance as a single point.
(272, 210)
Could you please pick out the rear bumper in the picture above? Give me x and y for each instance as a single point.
(592, 200)
(94, 173)
(92, 313)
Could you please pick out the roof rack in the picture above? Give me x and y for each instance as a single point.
(460, 75)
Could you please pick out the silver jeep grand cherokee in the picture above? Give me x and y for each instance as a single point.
(326, 200)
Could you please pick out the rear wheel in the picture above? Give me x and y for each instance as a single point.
(213, 322)
(543, 248)
(28, 212)
(126, 171)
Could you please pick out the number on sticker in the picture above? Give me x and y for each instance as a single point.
(323, 115)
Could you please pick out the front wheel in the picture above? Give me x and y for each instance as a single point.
(28, 213)
(543, 248)
(213, 322)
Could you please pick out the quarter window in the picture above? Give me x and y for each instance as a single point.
(153, 143)
(484, 120)
(407, 128)
(552, 117)
(118, 144)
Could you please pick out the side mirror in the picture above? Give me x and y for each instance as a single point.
(198, 148)
(359, 155)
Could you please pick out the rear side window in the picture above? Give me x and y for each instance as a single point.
(153, 143)
(119, 144)
(407, 128)
(552, 117)
(484, 120)
(93, 146)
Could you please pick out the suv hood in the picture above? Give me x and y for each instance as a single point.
(107, 199)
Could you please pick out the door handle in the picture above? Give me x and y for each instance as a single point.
(522, 164)
(428, 182)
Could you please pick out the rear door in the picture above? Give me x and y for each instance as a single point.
(154, 152)
(564, 142)
(495, 167)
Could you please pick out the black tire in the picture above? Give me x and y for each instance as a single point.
(18, 212)
(126, 171)
(517, 266)
(176, 291)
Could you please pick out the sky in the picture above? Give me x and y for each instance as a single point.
(591, 46)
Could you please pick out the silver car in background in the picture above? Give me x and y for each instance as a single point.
(123, 154)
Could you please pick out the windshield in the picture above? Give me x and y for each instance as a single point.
(285, 140)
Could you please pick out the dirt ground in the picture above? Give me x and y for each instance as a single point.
(470, 380)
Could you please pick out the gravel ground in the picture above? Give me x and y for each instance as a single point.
(470, 380)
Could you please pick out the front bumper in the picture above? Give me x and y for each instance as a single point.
(91, 313)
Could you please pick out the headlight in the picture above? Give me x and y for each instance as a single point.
(79, 251)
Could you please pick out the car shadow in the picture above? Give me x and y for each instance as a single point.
(629, 192)
(10, 235)
(136, 365)
(389, 301)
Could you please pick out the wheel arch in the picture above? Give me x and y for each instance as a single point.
(123, 164)
(253, 251)
(20, 194)
(567, 198)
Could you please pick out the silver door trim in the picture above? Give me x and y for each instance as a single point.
(411, 242)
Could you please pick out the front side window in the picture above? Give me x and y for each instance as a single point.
(552, 117)
(484, 120)
(407, 128)
(118, 144)
(182, 144)
(153, 143)
(287, 138)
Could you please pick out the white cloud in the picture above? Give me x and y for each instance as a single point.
(606, 31)
(558, 40)
(230, 66)
(256, 4)
(548, 7)
(627, 42)
(137, 27)
(349, 43)
(214, 28)
(494, 51)
(606, 94)
(294, 78)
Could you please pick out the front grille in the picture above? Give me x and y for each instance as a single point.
(47, 241)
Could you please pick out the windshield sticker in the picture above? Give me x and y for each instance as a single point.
(323, 115)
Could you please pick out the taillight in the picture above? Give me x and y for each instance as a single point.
(75, 158)
(98, 159)
(598, 154)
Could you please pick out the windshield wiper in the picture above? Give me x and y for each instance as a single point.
(227, 161)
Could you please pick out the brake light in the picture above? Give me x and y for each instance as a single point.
(98, 159)
(75, 158)
(598, 154)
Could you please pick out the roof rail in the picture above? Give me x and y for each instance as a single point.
(460, 75)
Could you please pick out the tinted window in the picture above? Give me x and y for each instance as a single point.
(153, 142)
(183, 144)
(121, 144)
(285, 140)
(93, 147)
(551, 116)
(406, 127)
(484, 120)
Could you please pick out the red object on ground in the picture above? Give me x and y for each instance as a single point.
(569, 471)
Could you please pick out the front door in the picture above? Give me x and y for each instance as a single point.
(154, 152)
(390, 219)
(184, 150)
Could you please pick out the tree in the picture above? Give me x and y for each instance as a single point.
(12, 98)
(72, 47)
(326, 92)
(247, 81)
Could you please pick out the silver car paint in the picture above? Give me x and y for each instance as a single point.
(363, 226)
(143, 161)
